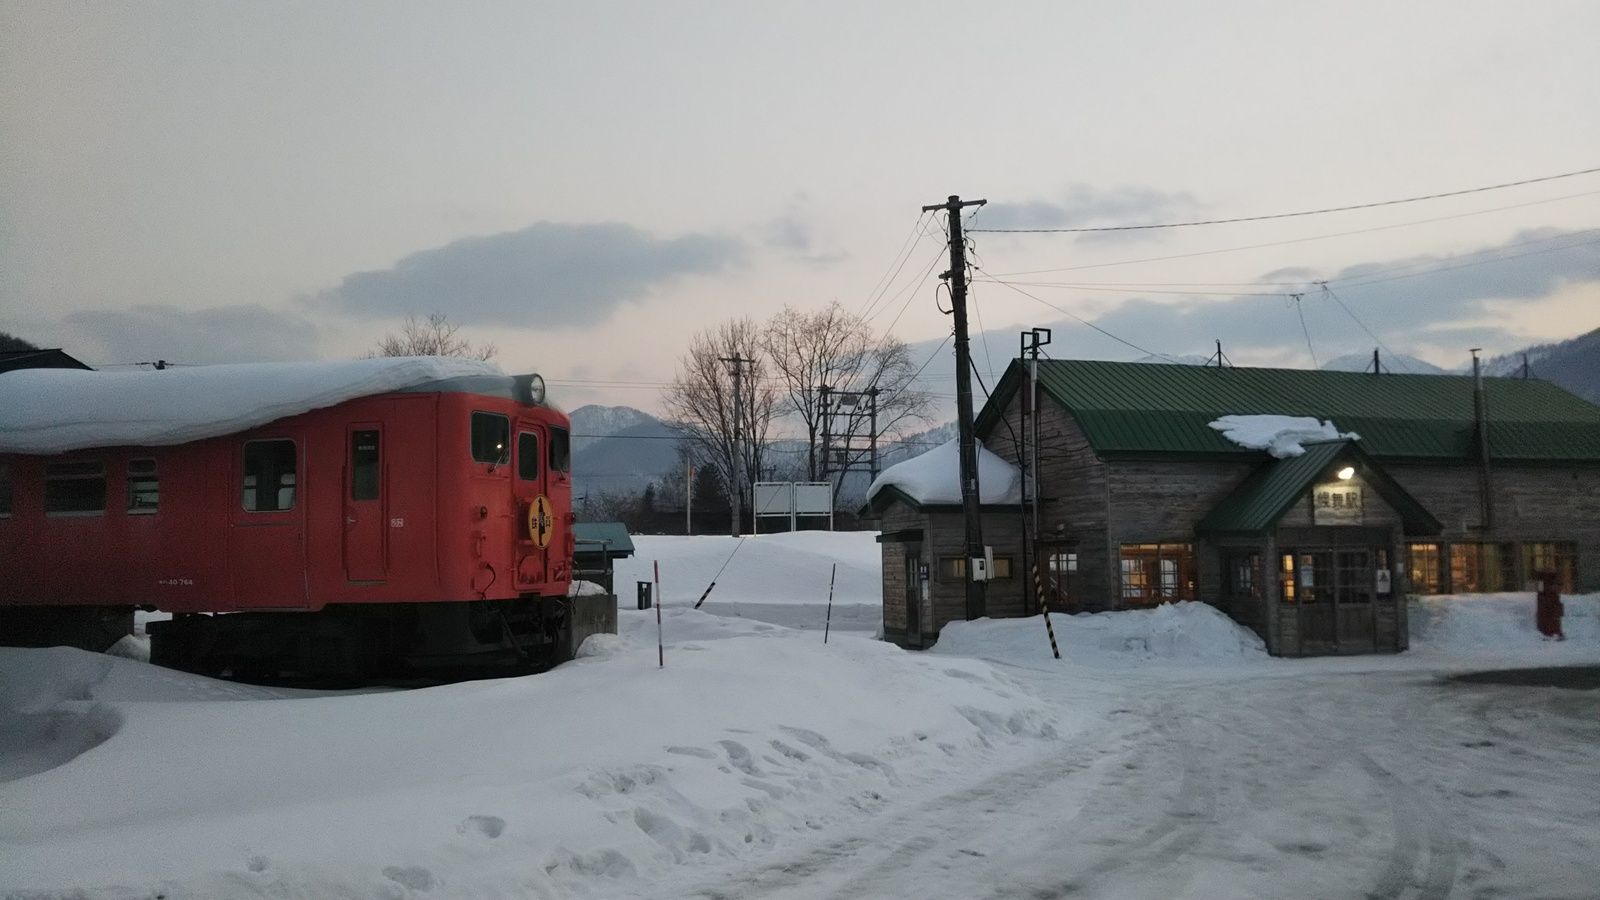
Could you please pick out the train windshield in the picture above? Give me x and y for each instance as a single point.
(491, 438)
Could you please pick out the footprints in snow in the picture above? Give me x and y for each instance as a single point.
(489, 826)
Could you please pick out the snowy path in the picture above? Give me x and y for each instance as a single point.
(1383, 785)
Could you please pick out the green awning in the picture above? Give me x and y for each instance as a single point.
(1271, 490)
(609, 537)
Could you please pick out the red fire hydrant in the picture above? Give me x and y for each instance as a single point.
(1548, 610)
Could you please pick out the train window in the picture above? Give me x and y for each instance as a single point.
(527, 455)
(5, 490)
(364, 463)
(560, 450)
(491, 438)
(75, 488)
(144, 486)
(269, 475)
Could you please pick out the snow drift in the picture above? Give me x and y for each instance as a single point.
(1186, 633)
(1281, 436)
(1496, 623)
(56, 410)
(594, 779)
(935, 477)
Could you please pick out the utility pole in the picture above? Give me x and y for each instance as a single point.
(688, 496)
(1480, 409)
(738, 361)
(823, 467)
(957, 279)
(872, 399)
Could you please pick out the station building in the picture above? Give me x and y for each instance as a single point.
(1431, 488)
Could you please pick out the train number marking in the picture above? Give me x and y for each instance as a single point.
(541, 521)
(397, 522)
(175, 582)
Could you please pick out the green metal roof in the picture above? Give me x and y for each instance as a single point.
(611, 536)
(1257, 504)
(1138, 408)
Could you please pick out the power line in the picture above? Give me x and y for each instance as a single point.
(1291, 215)
(1304, 330)
(1082, 321)
(1300, 240)
(1395, 357)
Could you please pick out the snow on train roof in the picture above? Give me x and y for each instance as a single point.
(56, 410)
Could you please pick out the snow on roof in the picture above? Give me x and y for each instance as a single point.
(56, 410)
(935, 477)
(1281, 436)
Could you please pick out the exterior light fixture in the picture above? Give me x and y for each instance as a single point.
(536, 388)
(1346, 473)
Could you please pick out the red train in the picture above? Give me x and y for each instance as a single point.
(428, 522)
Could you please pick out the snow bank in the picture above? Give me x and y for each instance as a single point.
(56, 410)
(1281, 436)
(780, 579)
(935, 477)
(1496, 623)
(597, 779)
(1186, 633)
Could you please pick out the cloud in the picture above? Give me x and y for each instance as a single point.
(1082, 205)
(216, 335)
(548, 274)
(794, 235)
(1421, 300)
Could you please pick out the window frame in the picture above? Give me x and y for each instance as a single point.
(153, 476)
(472, 438)
(1143, 575)
(523, 457)
(376, 481)
(559, 449)
(1430, 585)
(100, 475)
(245, 473)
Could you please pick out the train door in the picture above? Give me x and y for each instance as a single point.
(266, 534)
(365, 513)
(537, 530)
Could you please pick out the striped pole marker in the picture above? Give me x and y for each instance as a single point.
(1044, 605)
(661, 650)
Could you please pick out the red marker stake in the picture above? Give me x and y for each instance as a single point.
(661, 651)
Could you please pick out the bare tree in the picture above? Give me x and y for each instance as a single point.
(700, 402)
(434, 337)
(836, 349)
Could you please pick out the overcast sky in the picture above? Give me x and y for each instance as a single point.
(588, 184)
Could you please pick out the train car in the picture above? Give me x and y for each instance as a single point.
(371, 516)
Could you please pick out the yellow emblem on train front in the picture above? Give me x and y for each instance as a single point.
(541, 522)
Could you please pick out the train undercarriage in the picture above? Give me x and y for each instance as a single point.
(352, 643)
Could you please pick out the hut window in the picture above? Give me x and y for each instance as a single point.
(5, 489)
(144, 486)
(1422, 567)
(1481, 568)
(1244, 572)
(269, 476)
(75, 488)
(491, 438)
(952, 568)
(1002, 569)
(1560, 557)
(1157, 573)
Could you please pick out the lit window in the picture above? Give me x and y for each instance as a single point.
(1560, 557)
(75, 488)
(144, 487)
(952, 568)
(1422, 566)
(1157, 573)
(491, 438)
(269, 476)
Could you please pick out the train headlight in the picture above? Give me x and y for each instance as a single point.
(536, 388)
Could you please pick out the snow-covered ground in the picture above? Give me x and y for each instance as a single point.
(781, 579)
(1165, 756)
